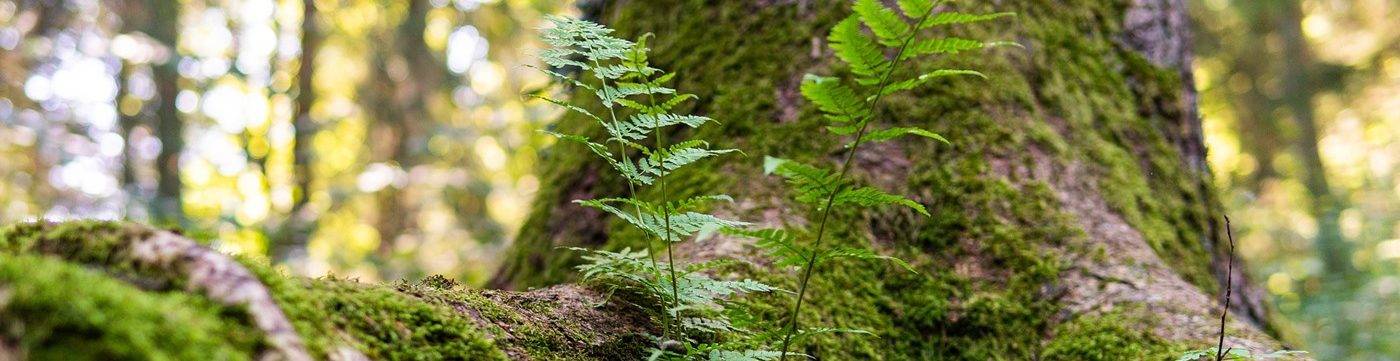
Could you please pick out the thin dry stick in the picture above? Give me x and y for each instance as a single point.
(1220, 350)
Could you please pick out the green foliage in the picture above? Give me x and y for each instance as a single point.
(693, 307)
(850, 105)
(55, 310)
(1237, 354)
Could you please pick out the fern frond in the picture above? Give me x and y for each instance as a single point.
(891, 133)
(561, 77)
(623, 166)
(915, 9)
(780, 244)
(883, 21)
(951, 17)
(674, 101)
(585, 38)
(698, 290)
(624, 264)
(638, 58)
(643, 220)
(749, 355)
(862, 254)
(925, 78)
(866, 59)
(611, 72)
(640, 125)
(562, 58)
(566, 105)
(692, 203)
(839, 101)
(812, 185)
(923, 47)
(650, 219)
(628, 89)
(684, 225)
(598, 149)
(679, 155)
(868, 196)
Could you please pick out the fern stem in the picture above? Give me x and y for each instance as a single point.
(622, 154)
(845, 168)
(665, 201)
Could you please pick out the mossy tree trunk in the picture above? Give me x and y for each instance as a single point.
(1073, 218)
(1072, 211)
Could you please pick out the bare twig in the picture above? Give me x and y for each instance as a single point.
(1220, 350)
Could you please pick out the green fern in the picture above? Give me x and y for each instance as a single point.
(639, 107)
(863, 41)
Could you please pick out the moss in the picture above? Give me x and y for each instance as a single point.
(54, 310)
(378, 320)
(1107, 337)
(116, 320)
(533, 324)
(987, 286)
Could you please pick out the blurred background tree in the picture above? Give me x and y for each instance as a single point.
(1301, 101)
(384, 140)
(355, 137)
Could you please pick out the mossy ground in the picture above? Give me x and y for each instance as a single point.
(55, 310)
(69, 294)
(988, 280)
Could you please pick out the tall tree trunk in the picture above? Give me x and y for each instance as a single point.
(1074, 194)
(291, 239)
(127, 124)
(1072, 216)
(1259, 132)
(405, 80)
(167, 207)
(1336, 254)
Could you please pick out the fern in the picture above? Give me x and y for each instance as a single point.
(622, 79)
(863, 42)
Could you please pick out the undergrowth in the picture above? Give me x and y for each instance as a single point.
(851, 105)
(691, 306)
(698, 317)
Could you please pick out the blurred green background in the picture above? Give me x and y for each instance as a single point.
(384, 140)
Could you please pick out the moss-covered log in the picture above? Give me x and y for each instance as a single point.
(89, 291)
(1073, 214)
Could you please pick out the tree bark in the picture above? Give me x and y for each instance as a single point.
(1073, 216)
(1075, 189)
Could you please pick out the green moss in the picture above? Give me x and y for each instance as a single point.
(1108, 337)
(59, 306)
(987, 286)
(1118, 109)
(54, 310)
(378, 320)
